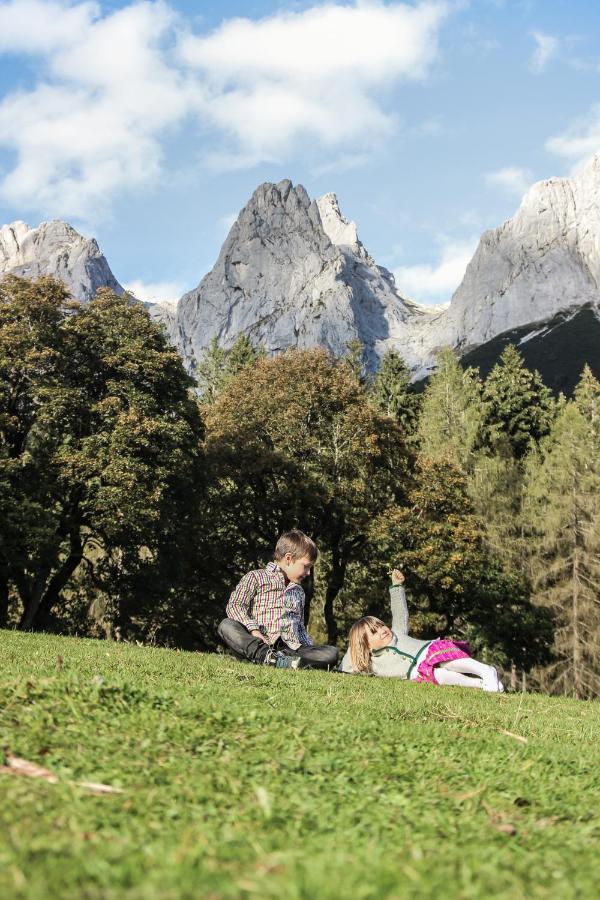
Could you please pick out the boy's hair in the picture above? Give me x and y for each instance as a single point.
(297, 544)
(360, 651)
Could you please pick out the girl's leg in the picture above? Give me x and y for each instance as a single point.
(444, 675)
(488, 674)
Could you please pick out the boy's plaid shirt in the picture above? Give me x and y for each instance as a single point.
(261, 601)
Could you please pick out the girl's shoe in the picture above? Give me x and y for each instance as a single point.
(492, 683)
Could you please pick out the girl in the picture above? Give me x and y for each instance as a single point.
(376, 649)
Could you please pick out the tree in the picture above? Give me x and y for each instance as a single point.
(456, 586)
(563, 513)
(519, 407)
(354, 359)
(218, 365)
(293, 442)
(495, 487)
(100, 464)
(452, 413)
(392, 394)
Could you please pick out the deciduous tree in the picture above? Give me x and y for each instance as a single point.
(100, 462)
(293, 441)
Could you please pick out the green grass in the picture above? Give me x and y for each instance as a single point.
(241, 781)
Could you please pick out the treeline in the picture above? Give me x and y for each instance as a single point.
(132, 497)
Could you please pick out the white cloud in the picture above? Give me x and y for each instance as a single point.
(436, 283)
(157, 291)
(580, 141)
(546, 48)
(93, 127)
(316, 74)
(512, 179)
(38, 26)
(114, 86)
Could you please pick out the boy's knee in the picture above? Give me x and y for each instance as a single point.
(333, 655)
(327, 655)
(227, 629)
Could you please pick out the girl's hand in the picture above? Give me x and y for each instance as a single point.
(397, 576)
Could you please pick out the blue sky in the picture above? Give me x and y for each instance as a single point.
(149, 124)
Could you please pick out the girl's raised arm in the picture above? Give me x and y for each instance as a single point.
(398, 603)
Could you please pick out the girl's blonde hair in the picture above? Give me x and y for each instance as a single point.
(360, 648)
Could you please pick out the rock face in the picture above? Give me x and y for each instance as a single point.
(54, 248)
(292, 272)
(542, 262)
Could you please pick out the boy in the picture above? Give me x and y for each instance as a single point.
(265, 613)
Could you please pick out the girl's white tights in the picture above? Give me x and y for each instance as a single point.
(457, 671)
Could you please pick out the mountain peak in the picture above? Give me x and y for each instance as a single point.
(338, 229)
(55, 248)
(291, 272)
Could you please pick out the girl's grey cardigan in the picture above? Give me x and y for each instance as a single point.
(402, 656)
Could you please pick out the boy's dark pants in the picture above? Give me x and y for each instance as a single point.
(245, 645)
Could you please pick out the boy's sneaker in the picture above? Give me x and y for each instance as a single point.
(281, 660)
(284, 661)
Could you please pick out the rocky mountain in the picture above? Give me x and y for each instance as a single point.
(54, 248)
(542, 263)
(292, 272)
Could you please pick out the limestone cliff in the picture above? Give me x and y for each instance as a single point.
(542, 262)
(54, 248)
(292, 273)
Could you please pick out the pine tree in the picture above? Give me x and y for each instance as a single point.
(519, 407)
(354, 359)
(209, 371)
(563, 509)
(518, 411)
(218, 365)
(496, 490)
(452, 413)
(392, 394)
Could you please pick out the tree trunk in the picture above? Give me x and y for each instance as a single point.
(309, 591)
(31, 597)
(334, 586)
(577, 673)
(58, 582)
(3, 600)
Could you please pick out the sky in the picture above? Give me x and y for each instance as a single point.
(148, 125)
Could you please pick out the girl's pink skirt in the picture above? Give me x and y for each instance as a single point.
(439, 652)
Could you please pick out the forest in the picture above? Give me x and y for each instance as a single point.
(133, 496)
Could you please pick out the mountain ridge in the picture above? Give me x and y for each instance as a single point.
(293, 272)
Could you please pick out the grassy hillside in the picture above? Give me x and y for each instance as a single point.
(240, 781)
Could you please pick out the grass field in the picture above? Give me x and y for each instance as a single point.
(240, 781)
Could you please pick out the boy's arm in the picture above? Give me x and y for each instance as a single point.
(398, 603)
(238, 607)
(293, 630)
(302, 632)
